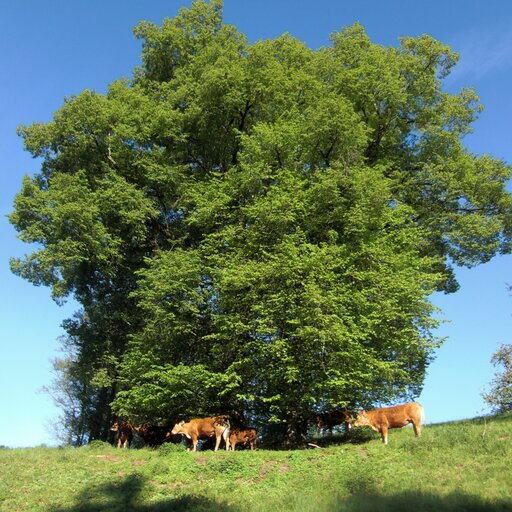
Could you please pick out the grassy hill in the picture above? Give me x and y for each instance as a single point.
(459, 466)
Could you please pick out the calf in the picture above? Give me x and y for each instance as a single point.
(398, 416)
(244, 436)
(124, 431)
(197, 428)
(328, 420)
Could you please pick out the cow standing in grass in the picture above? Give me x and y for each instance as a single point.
(328, 420)
(125, 431)
(216, 426)
(153, 435)
(398, 416)
(243, 436)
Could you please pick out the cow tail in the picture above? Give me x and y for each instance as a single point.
(423, 420)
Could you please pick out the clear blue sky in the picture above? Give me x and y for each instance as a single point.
(56, 48)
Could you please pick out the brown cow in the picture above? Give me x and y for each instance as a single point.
(197, 428)
(124, 431)
(397, 416)
(153, 435)
(244, 436)
(328, 420)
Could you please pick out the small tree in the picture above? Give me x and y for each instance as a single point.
(500, 395)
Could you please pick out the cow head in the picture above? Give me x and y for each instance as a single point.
(328, 420)
(362, 420)
(348, 419)
(142, 428)
(320, 423)
(178, 429)
(115, 427)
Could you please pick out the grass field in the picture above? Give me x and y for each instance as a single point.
(459, 466)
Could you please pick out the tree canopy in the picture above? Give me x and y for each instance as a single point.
(256, 228)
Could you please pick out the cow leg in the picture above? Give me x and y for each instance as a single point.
(225, 435)
(218, 437)
(384, 434)
(118, 443)
(417, 429)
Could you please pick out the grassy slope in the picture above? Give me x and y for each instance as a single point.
(455, 466)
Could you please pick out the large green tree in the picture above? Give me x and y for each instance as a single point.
(257, 228)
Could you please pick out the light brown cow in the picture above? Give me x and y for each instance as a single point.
(244, 436)
(328, 420)
(124, 431)
(397, 416)
(197, 428)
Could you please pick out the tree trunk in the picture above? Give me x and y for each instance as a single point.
(296, 430)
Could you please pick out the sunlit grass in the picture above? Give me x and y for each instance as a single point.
(453, 466)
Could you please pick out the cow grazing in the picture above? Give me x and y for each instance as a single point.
(197, 428)
(124, 431)
(153, 435)
(328, 420)
(244, 436)
(397, 416)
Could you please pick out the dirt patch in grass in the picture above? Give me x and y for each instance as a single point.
(245, 481)
(172, 485)
(363, 452)
(284, 468)
(110, 458)
(264, 470)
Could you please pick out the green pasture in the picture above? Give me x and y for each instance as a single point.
(459, 466)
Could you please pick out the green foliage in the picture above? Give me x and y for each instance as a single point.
(97, 445)
(168, 449)
(164, 394)
(256, 229)
(499, 396)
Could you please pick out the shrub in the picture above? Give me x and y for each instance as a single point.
(96, 444)
(168, 448)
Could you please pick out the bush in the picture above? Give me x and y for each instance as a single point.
(168, 448)
(96, 444)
